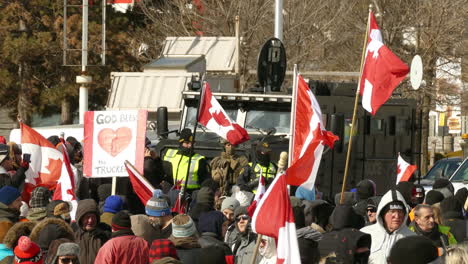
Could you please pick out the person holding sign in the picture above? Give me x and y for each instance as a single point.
(179, 158)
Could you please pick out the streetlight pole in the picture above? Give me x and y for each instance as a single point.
(83, 79)
(279, 19)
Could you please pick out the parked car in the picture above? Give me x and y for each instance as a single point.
(459, 178)
(443, 168)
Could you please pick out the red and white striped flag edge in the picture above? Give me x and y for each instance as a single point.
(382, 70)
(274, 217)
(213, 117)
(309, 138)
(143, 189)
(65, 189)
(404, 170)
(261, 188)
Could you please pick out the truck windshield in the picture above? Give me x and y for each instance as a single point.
(461, 174)
(266, 120)
(192, 112)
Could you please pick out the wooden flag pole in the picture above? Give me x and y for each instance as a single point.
(257, 245)
(348, 154)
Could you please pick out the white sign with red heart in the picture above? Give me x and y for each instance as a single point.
(110, 138)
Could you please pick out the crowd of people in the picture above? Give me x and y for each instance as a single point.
(405, 225)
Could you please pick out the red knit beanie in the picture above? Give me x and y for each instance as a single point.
(27, 252)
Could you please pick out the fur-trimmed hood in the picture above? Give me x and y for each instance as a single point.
(50, 229)
(16, 231)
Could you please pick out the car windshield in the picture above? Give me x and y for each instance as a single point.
(443, 169)
(461, 174)
(267, 120)
(192, 112)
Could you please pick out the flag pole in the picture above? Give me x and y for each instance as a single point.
(348, 154)
(183, 190)
(293, 114)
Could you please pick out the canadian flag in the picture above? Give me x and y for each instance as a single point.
(46, 165)
(143, 189)
(65, 189)
(309, 138)
(404, 170)
(212, 116)
(274, 217)
(382, 70)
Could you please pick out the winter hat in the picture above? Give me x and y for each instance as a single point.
(244, 197)
(40, 197)
(8, 194)
(241, 210)
(406, 190)
(62, 210)
(365, 189)
(205, 195)
(451, 208)
(161, 248)
(394, 205)
(433, 197)
(104, 191)
(113, 204)
(183, 226)
(461, 195)
(305, 194)
(68, 249)
(51, 206)
(230, 203)
(349, 198)
(4, 151)
(444, 186)
(121, 220)
(10, 240)
(186, 135)
(27, 252)
(403, 251)
(157, 205)
(211, 222)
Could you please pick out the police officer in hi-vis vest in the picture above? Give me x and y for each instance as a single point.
(179, 159)
(250, 175)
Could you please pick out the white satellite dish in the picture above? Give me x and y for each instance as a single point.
(416, 73)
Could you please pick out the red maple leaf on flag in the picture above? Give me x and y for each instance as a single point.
(54, 167)
(221, 118)
(398, 170)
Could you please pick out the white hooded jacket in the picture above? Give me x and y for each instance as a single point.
(382, 241)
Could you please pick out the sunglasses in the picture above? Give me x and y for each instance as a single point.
(68, 260)
(372, 210)
(242, 217)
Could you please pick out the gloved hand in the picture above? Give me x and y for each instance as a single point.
(25, 165)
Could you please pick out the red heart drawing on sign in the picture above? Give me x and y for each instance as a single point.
(114, 142)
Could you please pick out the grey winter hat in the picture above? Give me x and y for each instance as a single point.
(230, 203)
(68, 249)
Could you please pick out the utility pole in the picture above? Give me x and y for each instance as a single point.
(83, 79)
(279, 19)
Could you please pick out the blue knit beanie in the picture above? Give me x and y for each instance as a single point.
(8, 194)
(157, 205)
(113, 204)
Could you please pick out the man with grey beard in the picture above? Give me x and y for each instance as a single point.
(156, 224)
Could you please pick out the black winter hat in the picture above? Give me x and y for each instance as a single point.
(205, 195)
(395, 205)
(186, 135)
(406, 189)
(403, 251)
(451, 208)
(104, 191)
(461, 195)
(121, 220)
(241, 210)
(443, 183)
(365, 189)
(433, 197)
